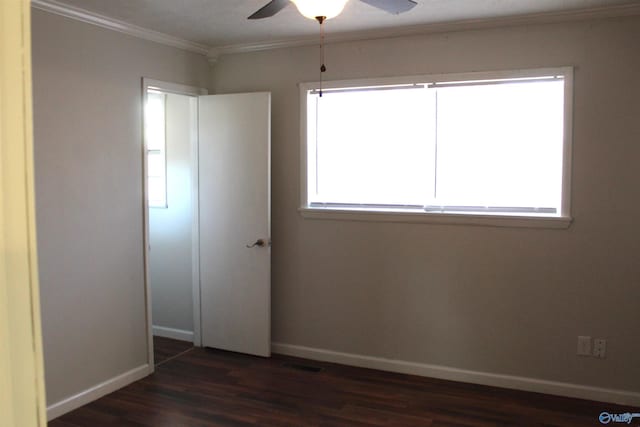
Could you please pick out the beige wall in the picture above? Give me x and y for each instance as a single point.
(88, 163)
(501, 300)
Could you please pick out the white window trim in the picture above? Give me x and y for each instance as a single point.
(563, 221)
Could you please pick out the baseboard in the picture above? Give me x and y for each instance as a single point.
(622, 397)
(96, 392)
(176, 334)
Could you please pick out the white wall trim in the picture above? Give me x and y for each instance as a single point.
(440, 27)
(176, 334)
(96, 392)
(89, 17)
(437, 218)
(195, 222)
(145, 237)
(622, 397)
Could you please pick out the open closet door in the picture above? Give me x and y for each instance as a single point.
(235, 233)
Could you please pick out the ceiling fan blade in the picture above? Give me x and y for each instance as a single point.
(395, 7)
(270, 9)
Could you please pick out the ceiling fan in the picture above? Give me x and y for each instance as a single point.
(327, 9)
(321, 10)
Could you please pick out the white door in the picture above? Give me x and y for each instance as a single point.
(235, 205)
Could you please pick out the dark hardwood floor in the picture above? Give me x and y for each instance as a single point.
(166, 348)
(205, 387)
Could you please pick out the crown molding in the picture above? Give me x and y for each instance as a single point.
(93, 18)
(213, 53)
(444, 27)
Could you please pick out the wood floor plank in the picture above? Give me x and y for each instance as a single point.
(207, 388)
(166, 348)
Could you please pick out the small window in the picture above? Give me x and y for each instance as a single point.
(155, 138)
(483, 145)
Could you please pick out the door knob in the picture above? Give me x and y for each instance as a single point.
(259, 242)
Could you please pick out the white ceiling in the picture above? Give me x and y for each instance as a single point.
(221, 23)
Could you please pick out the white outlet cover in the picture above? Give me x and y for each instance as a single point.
(599, 348)
(584, 346)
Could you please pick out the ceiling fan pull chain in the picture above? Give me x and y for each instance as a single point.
(323, 67)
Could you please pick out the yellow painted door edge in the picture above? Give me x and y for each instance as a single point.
(22, 397)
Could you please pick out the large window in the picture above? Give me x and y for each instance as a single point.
(474, 145)
(155, 138)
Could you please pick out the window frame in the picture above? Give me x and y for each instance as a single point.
(563, 220)
(157, 203)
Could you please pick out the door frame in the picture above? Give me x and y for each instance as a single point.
(193, 92)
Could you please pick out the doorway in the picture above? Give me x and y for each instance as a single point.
(207, 168)
(171, 217)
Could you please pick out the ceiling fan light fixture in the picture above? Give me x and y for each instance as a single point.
(313, 9)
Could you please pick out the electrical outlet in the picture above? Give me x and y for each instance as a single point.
(599, 347)
(584, 346)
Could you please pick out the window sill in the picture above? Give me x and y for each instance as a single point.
(437, 218)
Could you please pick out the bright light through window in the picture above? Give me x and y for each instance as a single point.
(155, 139)
(371, 155)
(500, 145)
(473, 147)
